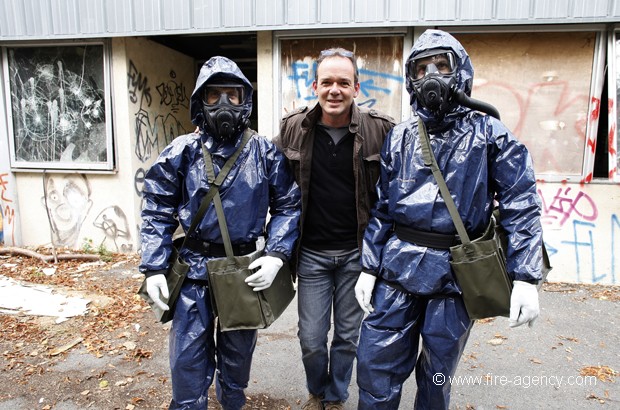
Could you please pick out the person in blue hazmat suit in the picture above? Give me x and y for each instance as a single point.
(259, 183)
(408, 289)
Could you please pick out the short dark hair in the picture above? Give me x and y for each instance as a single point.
(337, 52)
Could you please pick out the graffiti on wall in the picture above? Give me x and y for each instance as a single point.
(370, 89)
(156, 119)
(580, 235)
(375, 86)
(155, 128)
(113, 222)
(546, 117)
(7, 212)
(67, 201)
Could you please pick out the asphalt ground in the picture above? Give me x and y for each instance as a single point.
(569, 359)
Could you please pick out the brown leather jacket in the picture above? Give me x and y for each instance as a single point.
(296, 140)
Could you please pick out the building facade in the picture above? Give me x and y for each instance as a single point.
(93, 90)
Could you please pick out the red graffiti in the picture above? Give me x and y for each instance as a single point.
(566, 204)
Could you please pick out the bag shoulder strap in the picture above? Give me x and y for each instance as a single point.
(429, 160)
(216, 182)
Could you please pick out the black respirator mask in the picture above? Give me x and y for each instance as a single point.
(223, 110)
(432, 76)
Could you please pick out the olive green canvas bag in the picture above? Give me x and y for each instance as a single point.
(479, 265)
(235, 303)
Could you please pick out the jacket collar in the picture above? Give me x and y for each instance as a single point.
(314, 115)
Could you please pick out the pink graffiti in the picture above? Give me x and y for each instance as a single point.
(566, 204)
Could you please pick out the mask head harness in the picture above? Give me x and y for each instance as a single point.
(223, 107)
(432, 77)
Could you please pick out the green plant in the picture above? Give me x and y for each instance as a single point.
(87, 246)
(105, 254)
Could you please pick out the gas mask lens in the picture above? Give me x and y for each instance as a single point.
(442, 63)
(223, 94)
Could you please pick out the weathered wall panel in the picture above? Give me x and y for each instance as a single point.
(42, 19)
(369, 11)
(147, 16)
(551, 9)
(270, 12)
(476, 10)
(207, 14)
(237, 13)
(403, 10)
(302, 12)
(37, 25)
(512, 10)
(176, 14)
(65, 17)
(439, 11)
(119, 16)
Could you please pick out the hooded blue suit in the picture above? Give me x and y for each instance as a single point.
(416, 293)
(174, 186)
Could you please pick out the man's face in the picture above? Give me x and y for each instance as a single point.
(336, 88)
(214, 92)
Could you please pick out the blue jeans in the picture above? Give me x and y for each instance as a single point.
(325, 282)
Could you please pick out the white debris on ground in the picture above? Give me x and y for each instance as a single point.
(38, 300)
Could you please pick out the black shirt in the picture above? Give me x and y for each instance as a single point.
(331, 218)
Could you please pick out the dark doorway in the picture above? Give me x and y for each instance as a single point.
(241, 48)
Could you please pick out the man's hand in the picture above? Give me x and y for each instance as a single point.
(157, 288)
(363, 291)
(263, 278)
(523, 304)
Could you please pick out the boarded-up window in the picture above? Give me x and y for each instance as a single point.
(379, 61)
(540, 82)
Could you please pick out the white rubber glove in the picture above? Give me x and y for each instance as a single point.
(363, 291)
(157, 288)
(523, 304)
(263, 278)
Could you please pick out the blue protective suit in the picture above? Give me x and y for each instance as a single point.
(174, 186)
(415, 292)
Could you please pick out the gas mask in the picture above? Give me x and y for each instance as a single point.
(223, 110)
(432, 76)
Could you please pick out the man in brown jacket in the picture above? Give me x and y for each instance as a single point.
(333, 150)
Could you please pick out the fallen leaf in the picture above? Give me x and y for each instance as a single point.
(603, 373)
(66, 347)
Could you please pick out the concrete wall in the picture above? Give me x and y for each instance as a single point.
(151, 89)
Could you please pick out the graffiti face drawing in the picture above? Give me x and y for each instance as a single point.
(67, 200)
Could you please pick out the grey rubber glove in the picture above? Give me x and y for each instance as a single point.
(263, 278)
(363, 291)
(523, 304)
(157, 288)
